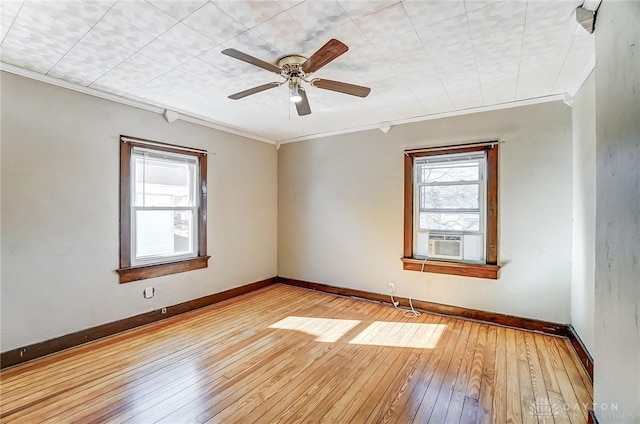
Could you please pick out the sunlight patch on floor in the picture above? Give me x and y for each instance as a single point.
(401, 334)
(325, 329)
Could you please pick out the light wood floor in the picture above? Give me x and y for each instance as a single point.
(284, 354)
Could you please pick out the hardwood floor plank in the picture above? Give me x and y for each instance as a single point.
(485, 403)
(514, 407)
(455, 393)
(475, 374)
(540, 396)
(428, 402)
(469, 411)
(286, 355)
(546, 365)
(499, 406)
(527, 399)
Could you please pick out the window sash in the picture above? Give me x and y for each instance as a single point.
(159, 258)
(194, 182)
(481, 210)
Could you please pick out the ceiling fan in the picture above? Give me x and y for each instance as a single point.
(296, 69)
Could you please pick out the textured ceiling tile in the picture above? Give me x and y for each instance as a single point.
(201, 70)
(501, 91)
(207, 20)
(26, 56)
(506, 42)
(385, 24)
(535, 83)
(130, 74)
(163, 52)
(443, 34)
(230, 65)
(249, 42)
(287, 4)
(178, 9)
(24, 45)
(497, 18)
(351, 35)
(187, 40)
(143, 16)
(88, 60)
(400, 47)
(341, 74)
(464, 97)
(551, 10)
(319, 17)
(401, 96)
(281, 31)
(423, 13)
(359, 8)
(66, 19)
(432, 94)
(250, 13)
(471, 5)
(122, 33)
(8, 13)
(459, 56)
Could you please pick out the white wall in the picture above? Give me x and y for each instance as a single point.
(617, 260)
(60, 194)
(584, 213)
(340, 211)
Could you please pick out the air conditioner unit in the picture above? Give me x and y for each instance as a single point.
(445, 246)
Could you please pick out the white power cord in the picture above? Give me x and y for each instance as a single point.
(409, 313)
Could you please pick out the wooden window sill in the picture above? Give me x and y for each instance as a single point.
(135, 273)
(453, 268)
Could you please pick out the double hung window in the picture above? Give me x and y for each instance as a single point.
(163, 209)
(451, 210)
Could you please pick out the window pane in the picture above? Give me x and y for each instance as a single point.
(164, 182)
(160, 233)
(447, 172)
(450, 221)
(450, 197)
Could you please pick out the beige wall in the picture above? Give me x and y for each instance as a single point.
(340, 211)
(617, 240)
(584, 213)
(60, 170)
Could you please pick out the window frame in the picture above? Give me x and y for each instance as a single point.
(490, 268)
(128, 271)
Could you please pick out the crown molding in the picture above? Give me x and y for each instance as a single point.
(460, 112)
(150, 107)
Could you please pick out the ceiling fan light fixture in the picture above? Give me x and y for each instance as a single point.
(294, 94)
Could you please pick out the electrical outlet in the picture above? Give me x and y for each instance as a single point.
(149, 292)
(392, 288)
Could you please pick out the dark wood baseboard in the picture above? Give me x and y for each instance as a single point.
(555, 329)
(581, 351)
(37, 350)
(591, 419)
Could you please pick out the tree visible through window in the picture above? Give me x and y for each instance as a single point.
(163, 209)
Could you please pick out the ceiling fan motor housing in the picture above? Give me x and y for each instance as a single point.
(291, 66)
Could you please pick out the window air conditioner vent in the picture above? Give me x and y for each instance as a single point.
(445, 246)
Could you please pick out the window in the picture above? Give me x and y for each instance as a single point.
(451, 210)
(162, 209)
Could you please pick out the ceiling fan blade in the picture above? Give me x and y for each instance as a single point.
(342, 87)
(254, 90)
(303, 105)
(326, 54)
(252, 60)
